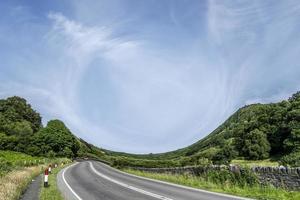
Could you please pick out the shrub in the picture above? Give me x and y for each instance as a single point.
(292, 159)
(244, 178)
(5, 166)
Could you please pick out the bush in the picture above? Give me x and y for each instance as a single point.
(254, 145)
(5, 166)
(292, 159)
(204, 162)
(244, 178)
(225, 155)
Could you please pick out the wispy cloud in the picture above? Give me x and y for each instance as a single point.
(75, 47)
(149, 80)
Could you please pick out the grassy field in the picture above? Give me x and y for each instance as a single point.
(52, 192)
(252, 163)
(15, 182)
(10, 160)
(18, 169)
(255, 191)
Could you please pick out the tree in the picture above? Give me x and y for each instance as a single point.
(255, 145)
(68, 153)
(51, 154)
(295, 96)
(225, 155)
(292, 159)
(16, 109)
(21, 128)
(58, 138)
(292, 143)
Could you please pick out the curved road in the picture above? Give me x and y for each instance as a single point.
(91, 180)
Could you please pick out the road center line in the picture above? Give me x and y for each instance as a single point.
(128, 186)
(63, 176)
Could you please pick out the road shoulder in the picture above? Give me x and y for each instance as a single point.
(63, 185)
(33, 190)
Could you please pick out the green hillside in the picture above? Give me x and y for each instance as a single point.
(254, 132)
(21, 130)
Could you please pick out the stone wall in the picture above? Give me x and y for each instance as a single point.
(288, 178)
(279, 176)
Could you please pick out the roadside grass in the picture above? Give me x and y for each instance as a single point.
(52, 192)
(15, 182)
(255, 163)
(256, 191)
(18, 169)
(10, 160)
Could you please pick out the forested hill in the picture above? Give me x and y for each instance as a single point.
(21, 130)
(254, 132)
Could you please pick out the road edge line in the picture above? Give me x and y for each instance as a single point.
(70, 188)
(128, 186)
(181, 186)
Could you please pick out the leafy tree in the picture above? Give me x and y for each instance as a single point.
(292, 159)
(51, 154)
(204, 162)
(68, 153)
(295, 97)
(184, 161)
(16, 109)
(225, 155)
(255, 145)
(58, 138)
(21, 128)
(292, 143)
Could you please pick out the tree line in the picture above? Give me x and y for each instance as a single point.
(21, 130)
(254, 132)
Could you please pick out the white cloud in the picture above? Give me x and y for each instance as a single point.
(136, 95)
(75, 46)
(157, 96)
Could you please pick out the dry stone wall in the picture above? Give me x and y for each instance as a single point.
(285, 177)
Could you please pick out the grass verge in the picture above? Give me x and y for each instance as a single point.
(52, 192)
(18, 169)
(257, 192)
(15, 182)
(10, 160)
(253, 163)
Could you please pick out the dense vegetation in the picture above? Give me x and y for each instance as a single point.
(21, 130)
(254, 132)
(12, 160)
(18, 169)
(241, 184)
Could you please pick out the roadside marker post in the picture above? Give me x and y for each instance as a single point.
(46, 178)
(49, 169)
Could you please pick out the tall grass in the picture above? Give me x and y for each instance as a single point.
(10, 160)
(17, 171)
(255, 163)
(15, 182)
(221, 182)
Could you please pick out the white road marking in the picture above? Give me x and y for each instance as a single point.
(179, 186)
(128, 186)
(63, 176)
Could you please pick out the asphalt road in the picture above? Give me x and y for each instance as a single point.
(91, 180)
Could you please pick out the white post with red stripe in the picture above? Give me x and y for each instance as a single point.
(50, 169)
(46, 178)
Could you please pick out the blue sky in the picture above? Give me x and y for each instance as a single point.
(148, 76)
